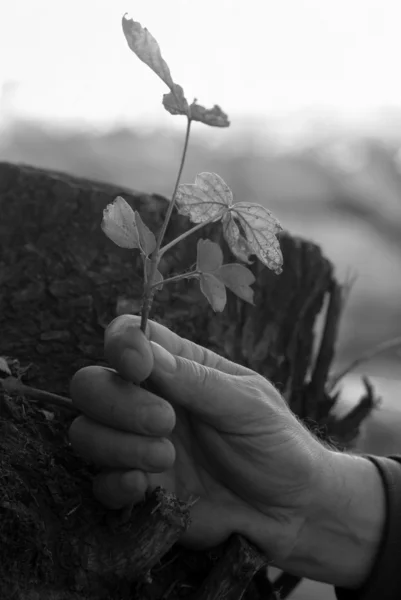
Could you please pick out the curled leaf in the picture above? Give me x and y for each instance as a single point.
(142, 42)
(119, 224)
(238, 279)
(209, 197)
(214, 117)
(214, 290)
(260, 228)
(175, 102)
(147, 239)
(209, 256)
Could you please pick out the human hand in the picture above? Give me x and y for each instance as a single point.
(215, 431)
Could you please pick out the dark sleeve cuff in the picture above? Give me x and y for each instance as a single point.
(384, 581)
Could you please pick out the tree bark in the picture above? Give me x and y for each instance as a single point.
(62, 282)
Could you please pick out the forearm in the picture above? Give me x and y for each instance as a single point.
(340, 539)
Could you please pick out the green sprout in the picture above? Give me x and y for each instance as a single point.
(248, 228)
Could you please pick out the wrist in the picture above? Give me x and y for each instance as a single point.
(343, 526)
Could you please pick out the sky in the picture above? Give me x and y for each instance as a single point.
(259, 59)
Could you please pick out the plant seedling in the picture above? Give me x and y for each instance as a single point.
(248, 228)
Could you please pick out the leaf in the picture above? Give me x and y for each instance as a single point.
(209, 197)
(215, 276)
(235, 240)
(209, 256)
(238, 279)
(158, 277)
(147, 239)
(175, 102)
(119, 224)
(142, 42)
(214, 290)
(260, 228)
(214, 117)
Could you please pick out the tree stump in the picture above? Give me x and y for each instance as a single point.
(62, 282)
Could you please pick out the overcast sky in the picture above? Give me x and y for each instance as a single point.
(258, 57)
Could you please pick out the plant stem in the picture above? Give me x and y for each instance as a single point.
(185, 234)
(149, 291)
(178, 277)
(12, 384)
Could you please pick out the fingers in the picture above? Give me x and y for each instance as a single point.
(120, 335)
(103, 396)
(118, 449)
(231, 403)
(116, 489)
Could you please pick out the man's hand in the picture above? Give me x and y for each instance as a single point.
(216, 431)
(213, 430)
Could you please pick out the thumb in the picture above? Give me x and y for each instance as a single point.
(127, 349)
(216, 396)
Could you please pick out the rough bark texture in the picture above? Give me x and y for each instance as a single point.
(62, 281)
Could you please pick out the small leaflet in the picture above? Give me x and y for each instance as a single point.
(214, 290)
(144, 45)
(214, 276)
(238, 279)
(209, 256)
(147, 239)
(119, 224)
(209, 197)
(175, 102)
(215, 117)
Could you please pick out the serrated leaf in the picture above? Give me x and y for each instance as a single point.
(209, 256)
(235, 240)
(214, 117)
(209, 197)
(158, 277)
(142, 42)
(147, 239)
(214, 290)
(119, 224)
(238, 279)
(260, 228)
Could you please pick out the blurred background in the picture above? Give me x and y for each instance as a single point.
(313, 93)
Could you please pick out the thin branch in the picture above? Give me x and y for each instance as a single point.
(185, 234)
(12, 384)
(177, 278)
(366, 356)
(149, 291)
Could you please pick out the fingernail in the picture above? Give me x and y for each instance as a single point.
(164, 361)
